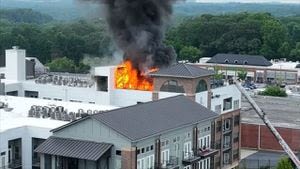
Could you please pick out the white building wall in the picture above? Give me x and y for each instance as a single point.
(15, 64)
(26, 133)
(224, 93)
(123, 98)
(201, 98)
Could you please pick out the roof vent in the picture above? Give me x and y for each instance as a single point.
(226, 61)
(15, 47)
(235, 61)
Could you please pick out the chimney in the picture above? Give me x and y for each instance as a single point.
(15, 64)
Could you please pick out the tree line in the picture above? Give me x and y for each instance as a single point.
(243, 33)
(192, 37)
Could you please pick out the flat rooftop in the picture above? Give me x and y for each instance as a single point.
(18, 117)
(282, 112)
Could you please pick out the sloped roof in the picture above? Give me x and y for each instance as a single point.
(182, 70)
(80, 149)
(237, 59)
(151, 118)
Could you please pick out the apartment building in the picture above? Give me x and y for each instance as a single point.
(170, 133)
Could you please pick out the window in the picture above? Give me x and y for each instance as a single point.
(226, 158)
(56, 99)
(102, 83)
(227, 125)
(204, 142)
(118, 152)
(227, 104)
(236, 104)
(236, 120)
(187, 149)
(145, 163)
(165, 157)
(172, 86)
(202, 86)
(32, 94)
(227, 140)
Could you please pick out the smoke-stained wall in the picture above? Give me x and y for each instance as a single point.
(138, 28)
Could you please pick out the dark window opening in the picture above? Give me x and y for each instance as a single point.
(102, 83)
(118, 152)
(32, 94)
(202, 86)
(12, 93)
(35, 156)
(236, 120)
(15, 153)
(227, 104)
(172, 86)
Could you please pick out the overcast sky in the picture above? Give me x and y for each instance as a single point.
(249, 1)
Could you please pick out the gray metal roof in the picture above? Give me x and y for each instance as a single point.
(182, 70)
(237, 59)
(73, 148)
(152, 118)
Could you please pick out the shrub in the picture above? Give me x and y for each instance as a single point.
(274, 91)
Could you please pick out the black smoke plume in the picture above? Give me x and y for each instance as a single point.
(138, 28)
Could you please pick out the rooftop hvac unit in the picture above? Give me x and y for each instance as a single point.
(37, 114)
(96, 112)
(31, 113)
(72, 116)
(67, 117)
(84, 115)
(80, 111)
(89, 112)
(52, 115)
(58, 115)
(60, 108)
(2, 105)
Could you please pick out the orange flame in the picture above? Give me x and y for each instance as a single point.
(127, 77)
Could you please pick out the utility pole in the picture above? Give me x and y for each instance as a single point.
(273, 130)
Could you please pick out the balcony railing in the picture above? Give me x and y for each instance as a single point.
(173, 163)
(201, 153)
(15, 164)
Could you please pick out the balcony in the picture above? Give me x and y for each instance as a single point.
(202, 152)
(173, 163)
(15, 164)
(190, 158)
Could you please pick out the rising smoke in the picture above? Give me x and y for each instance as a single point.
(138, 28)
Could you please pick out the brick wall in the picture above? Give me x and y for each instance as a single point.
(259, 137)
(129, 158)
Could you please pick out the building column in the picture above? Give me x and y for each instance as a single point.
(42, 161)
(157, 154)
(195, 145)
(258, 138)
(265, 76)
(129, 158)
(26, 151)
(53, 162)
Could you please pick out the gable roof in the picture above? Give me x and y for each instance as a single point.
(80, 149)
(152, 118)
(237, 59)
(182, 70)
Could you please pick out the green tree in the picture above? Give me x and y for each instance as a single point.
(242, 74)
(284, 163)
(62, 65)
(189, 53)
(285, 50)
(295, 53)
(274, 91)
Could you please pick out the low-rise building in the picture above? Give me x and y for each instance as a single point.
(25, 123)
(258, 68)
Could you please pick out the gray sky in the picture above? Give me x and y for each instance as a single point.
(249, 1)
